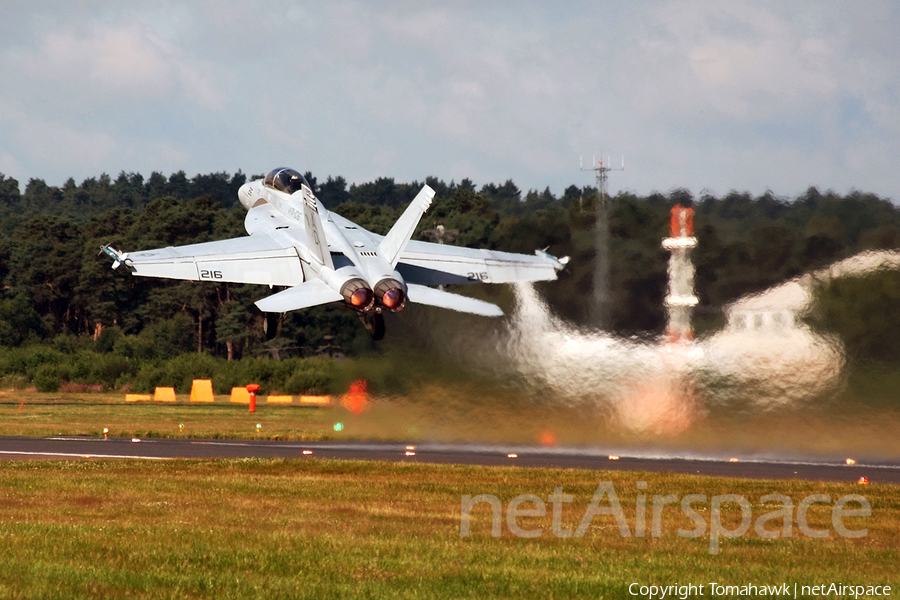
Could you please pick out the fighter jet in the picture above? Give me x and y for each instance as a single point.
(321, 257)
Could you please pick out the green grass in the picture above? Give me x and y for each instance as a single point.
(328, 529)
(33, 414)
(313, 528)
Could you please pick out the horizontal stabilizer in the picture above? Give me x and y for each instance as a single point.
(434, 297)
(305, 295)
(394, 243)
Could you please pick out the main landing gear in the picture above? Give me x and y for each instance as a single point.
(374, 322)
(271, 325)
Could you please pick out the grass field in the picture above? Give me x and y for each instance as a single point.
(329, 529)
(32, 414)
(314, 528)
(449, 414)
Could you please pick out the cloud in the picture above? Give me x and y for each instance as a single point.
(696, 93)
(102, 65)
(119, 62)
(739, 60)
(46, 142)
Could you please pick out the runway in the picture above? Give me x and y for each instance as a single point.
(69, 448)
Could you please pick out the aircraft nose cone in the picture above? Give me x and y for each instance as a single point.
(245, 195)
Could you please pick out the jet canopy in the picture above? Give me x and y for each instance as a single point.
(285, 180)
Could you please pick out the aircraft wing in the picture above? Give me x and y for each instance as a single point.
(267, 256)
(426, 263)
(258, 258)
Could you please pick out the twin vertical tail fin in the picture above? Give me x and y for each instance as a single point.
(315, 233)
(394, 243)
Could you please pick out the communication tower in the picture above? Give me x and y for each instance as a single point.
(600, 307)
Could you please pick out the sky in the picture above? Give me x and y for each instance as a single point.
(704, 95)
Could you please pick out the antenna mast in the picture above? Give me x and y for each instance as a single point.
(600, 312)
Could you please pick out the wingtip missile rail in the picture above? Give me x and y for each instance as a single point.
(119, 258)
(559, 263)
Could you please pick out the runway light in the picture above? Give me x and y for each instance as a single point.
(105, 433)
(410, 447)
(338, 426)
(258, 427)
(512, 455)
(863, 481)
(733, 459)
(181, 426)
(613, 457)
(307, 452)
(410, 453)
(850, 461)
(135, 440)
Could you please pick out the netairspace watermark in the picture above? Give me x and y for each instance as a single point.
(683, 592)
(689, 505)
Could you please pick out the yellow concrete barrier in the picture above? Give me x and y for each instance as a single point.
(201, 390)
(315, 400)
(164, 394)
(137, 397)
(279, 399)
(240, 395)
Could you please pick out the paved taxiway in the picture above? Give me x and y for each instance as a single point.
(20, 448)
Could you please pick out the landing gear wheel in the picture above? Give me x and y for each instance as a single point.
(374, 322)
(271, 325)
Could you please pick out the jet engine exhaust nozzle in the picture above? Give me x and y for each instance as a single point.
(390, 295)
(357, 295)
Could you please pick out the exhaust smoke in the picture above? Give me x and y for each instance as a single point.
(642, 386)
(765, 387)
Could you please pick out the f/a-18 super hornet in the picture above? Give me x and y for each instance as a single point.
(321, 257)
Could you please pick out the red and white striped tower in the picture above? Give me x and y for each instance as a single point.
(680, 298)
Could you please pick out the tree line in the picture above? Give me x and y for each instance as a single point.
(54, 283)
